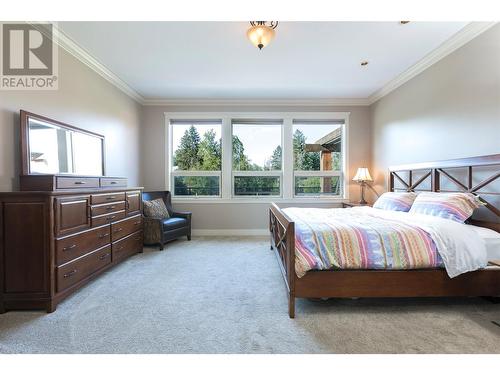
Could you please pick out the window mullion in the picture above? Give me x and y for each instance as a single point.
(287, 185)
(227, 158)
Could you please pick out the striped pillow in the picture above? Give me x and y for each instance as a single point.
(455, 206)
(393, 201)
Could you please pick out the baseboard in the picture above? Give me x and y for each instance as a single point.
(230, 232)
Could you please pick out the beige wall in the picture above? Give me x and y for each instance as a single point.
(85, 100)
(451, 110)
(233, 216)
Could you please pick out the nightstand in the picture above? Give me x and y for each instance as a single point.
(354, 204)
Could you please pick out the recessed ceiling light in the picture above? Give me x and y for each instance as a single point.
(364, 63)
(404, 22)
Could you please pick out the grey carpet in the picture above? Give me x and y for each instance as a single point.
(226, 295)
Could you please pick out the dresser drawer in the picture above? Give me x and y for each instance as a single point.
(127, 246)
(74, 246)
(125, 227)
(113, 182)
(77, 270)
(97, 221)
(77, 182)
(108, 208)
(107, 198)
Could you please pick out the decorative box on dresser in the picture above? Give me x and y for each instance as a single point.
(56, 238)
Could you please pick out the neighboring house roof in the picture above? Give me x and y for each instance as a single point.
(330, 142)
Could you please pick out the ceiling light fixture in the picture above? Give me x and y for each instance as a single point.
(261, 33)
(404, 22)
(364, 63)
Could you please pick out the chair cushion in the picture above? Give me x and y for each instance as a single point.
(174, 223)
(156, 208)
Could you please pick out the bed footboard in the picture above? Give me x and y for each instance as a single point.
(282, 230)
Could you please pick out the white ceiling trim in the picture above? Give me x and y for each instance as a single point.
(259, 102)
(464, 36)
(461, 38)
(83, 56)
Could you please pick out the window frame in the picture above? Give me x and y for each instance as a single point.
(287, 178)
(320, 173)
(236, 173)
(182, 173)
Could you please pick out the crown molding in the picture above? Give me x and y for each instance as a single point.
(70, 46)
(258, 102)
(462, 37)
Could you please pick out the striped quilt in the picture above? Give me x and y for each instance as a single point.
(358, 238)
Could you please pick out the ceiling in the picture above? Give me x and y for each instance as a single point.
(306, 60)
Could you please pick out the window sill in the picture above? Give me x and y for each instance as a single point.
(260, 200)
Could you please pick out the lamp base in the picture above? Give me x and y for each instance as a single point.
(362, 188)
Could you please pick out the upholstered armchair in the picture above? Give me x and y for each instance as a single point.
(159, 230)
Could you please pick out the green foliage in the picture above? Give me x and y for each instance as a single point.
(303, 160)
(194, 154)
(186, 157)
(256, 185)
(196, 185)
(240, 160)
(210, 152)
(312, 185)
(275, 161)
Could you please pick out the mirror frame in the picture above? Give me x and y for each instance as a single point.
(25, 116)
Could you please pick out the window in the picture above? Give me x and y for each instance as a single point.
(256, 157)
(196, 158)
(317, 157)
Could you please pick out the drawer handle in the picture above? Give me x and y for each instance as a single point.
(120, 248)
(113, 182)
(110, 208)
(80, 182)
(103, 235)
(104, 256)
(118, 230)
(137, 223)
(138, 239)
(109, 198)
(69, 247)
(110, 218)
(69, 274)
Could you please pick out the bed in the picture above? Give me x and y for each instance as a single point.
(428, 276)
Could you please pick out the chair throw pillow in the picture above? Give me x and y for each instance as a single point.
(156, 208)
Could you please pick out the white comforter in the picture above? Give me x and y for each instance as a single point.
(460, 247)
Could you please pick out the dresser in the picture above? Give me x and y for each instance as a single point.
(54, 241)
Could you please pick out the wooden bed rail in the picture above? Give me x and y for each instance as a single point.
(282, 230)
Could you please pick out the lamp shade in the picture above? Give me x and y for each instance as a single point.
(362, 175)
(260, 35)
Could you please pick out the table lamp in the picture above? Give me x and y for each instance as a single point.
(361, 177)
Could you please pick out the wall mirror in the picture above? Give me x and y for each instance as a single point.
(52, 147)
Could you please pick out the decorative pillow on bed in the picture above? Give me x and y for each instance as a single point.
(454, 206)
(394, 201)
(156, 208)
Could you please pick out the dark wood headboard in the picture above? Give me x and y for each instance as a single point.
(438, 170)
